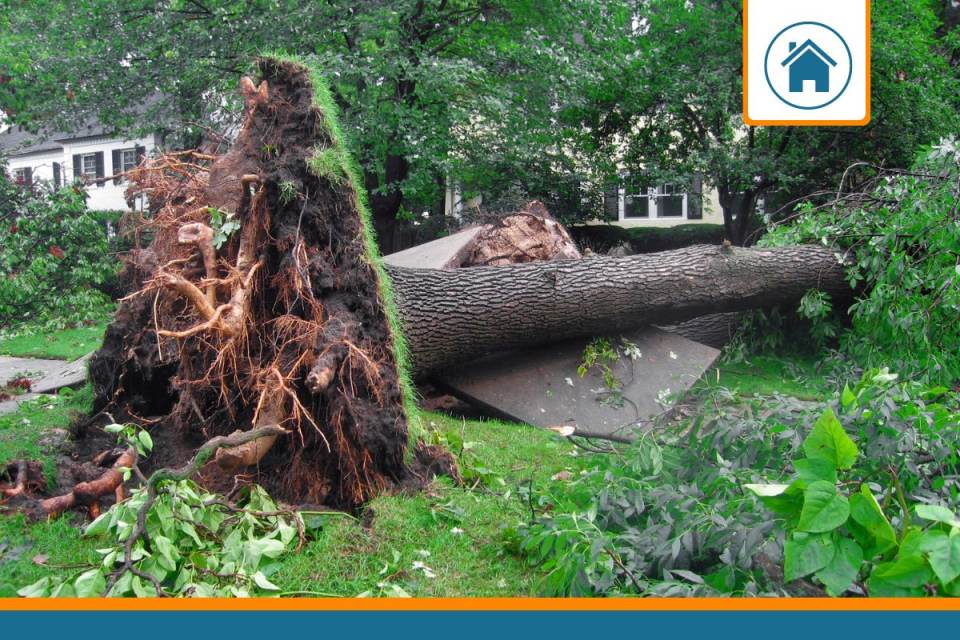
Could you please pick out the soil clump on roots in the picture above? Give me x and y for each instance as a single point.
(260, 302)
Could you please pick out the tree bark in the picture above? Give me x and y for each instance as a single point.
(452, 316)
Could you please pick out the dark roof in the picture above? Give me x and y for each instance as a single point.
(18, 141)
(809, 44)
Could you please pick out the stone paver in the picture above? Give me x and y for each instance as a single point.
(541, 386)
(47, 376)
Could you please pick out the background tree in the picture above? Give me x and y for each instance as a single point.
(675, 109)
(428, 88)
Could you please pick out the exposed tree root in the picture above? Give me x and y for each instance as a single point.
(283, 324)
(88, 494)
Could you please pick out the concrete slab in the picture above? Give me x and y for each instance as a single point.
(541, 386)
(442, 253)
(47, 375)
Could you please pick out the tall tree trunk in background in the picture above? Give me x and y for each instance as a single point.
(385, 206)
(739, 210)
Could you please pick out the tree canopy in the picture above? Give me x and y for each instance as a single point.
(549, 99)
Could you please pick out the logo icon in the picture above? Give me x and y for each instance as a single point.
(806, 62)
(806, 75)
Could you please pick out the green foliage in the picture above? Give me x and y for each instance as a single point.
(197, 545)
(223, 224)
(669, 105)
(601, 354)
(838, 532)
(901, 238)
(54, 255)
(667, 515)
(467, 88)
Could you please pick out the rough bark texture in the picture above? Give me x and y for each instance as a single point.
(714, 329)
(451, 316)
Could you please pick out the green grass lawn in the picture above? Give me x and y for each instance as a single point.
(458, 532)
(66, 344)
(802, 377)
(22, 432)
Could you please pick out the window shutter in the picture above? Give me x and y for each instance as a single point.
(695, 199)
(100, 172)
(28, 176)
(141, 153)
(77, 168)
(56, 175)
(611, 201)
(117, 164)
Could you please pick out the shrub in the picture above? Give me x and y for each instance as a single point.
(668, 515)
(54, 258)
(901, 234)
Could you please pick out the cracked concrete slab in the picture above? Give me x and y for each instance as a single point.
(46, 376)
(541, 386)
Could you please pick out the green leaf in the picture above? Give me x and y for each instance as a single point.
(766, 490)
(145, 440)
(905, 577)
(168, 553)
(39, 589)
(786, 503)
(937, 513)
(262, 582)
(804, 554)
(866, 511)
(100, 525)
(114, 428)
(944, 555)
(90, 584)
(829, 441)
(823, 510)
(813, 469)
(843, 568)
(847, 399)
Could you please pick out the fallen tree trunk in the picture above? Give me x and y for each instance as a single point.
(452, 316)
(288, 322)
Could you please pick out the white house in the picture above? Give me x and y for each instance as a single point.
(90, 154)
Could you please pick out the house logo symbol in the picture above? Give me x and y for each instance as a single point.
(809, 62)
(808, 65)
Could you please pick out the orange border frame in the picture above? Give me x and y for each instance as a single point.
(802, 123)
(481, 604)
(514, 604)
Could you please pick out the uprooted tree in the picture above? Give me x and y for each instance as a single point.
(262, 306)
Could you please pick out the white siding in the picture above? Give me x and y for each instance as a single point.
(40, 163)
(102, 197)
(106, 196)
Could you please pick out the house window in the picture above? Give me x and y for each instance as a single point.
(637, 200)
(642, 202)
(88, 166)
(23, 176)
(128, 159)
(671, 202)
